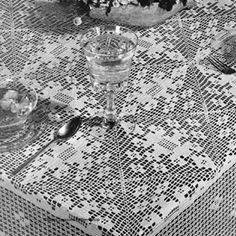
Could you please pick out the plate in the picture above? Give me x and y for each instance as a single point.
(36, 124)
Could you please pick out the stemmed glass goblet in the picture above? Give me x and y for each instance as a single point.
(109, 51)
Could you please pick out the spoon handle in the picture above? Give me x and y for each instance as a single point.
(28, 161)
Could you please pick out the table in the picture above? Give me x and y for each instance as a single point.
(175, 175)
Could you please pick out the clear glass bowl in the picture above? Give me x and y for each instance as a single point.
(224, 43)
(17, 100)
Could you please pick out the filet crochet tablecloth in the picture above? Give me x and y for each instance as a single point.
(177, 165)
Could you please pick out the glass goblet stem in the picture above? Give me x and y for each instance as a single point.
(110, 115)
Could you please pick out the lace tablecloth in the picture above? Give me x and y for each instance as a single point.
(127, 184)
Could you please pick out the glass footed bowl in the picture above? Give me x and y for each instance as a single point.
(224, 44)
(17, 101)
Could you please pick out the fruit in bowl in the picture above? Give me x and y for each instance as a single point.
(17, 100)
(131, 12)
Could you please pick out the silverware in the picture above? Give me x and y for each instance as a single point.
(63, 133)
(220, 66)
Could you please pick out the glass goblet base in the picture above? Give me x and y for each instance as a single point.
(99, 127)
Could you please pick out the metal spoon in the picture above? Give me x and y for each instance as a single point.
(63, 133)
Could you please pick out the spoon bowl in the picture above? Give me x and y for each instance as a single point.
(69, 129)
